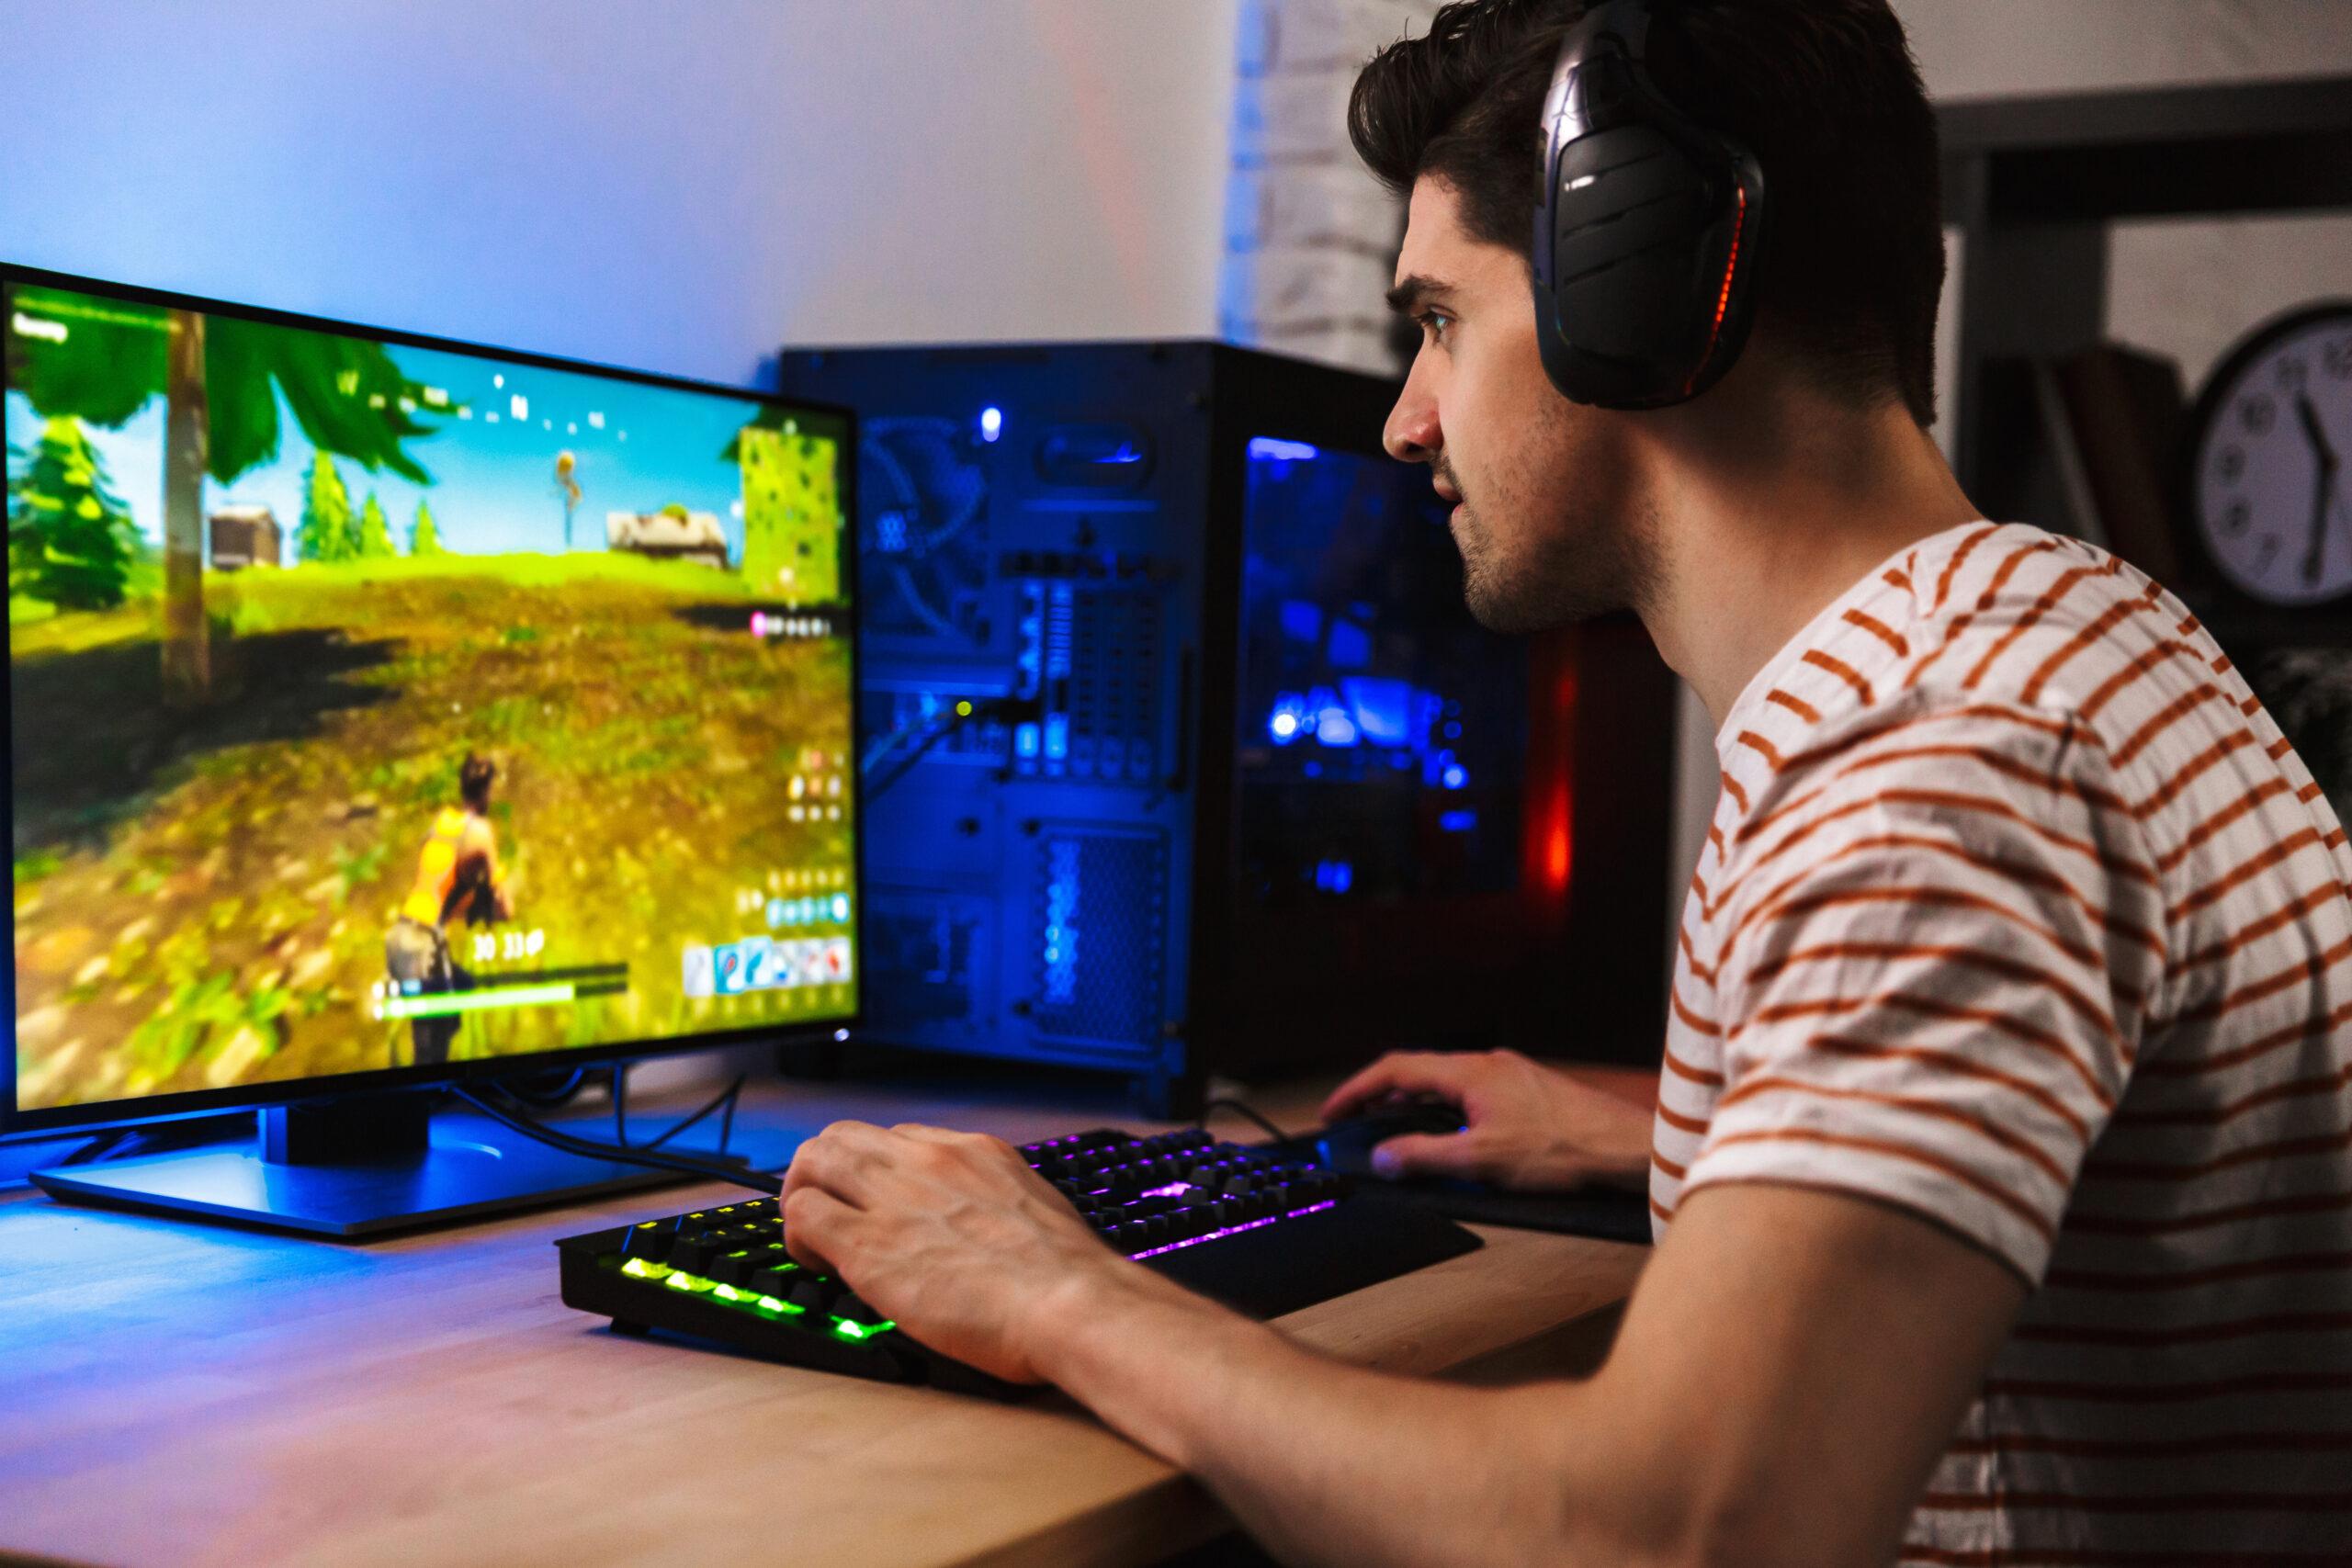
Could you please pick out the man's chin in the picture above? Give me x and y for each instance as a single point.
(1497, 609)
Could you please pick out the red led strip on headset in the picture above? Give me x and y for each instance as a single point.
(1722, 300)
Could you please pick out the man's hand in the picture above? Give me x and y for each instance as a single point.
(1530, 1127)
(949, 1234)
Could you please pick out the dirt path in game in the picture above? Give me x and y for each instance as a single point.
(201, 898)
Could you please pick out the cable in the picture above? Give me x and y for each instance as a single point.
(739, 1175)
(1223, 1103)
(536, 1090)
(724, 1098)
(873, 779)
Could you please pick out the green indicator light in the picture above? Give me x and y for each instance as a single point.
(745, 1253)
(729, 1293)
(769, 1304)
(639, 1268)
(692, 1282)
(849, 1330)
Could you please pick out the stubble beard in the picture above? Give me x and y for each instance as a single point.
(1584, 566)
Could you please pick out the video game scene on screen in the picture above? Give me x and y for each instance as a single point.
(374, 706)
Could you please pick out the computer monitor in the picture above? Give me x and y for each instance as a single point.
(386, 711)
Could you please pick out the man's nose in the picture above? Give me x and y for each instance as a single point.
(1411, 435)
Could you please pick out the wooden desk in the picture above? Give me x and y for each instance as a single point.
(178, 1393)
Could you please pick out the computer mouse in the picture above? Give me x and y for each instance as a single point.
(1346, 1144)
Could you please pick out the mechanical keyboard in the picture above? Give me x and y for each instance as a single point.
(1263, 1233)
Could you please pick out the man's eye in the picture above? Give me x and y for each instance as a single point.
(1434, 324)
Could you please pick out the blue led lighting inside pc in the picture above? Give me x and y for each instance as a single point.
(1243, 785)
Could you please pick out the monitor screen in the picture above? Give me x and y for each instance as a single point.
(1381, 751)
(378, 705)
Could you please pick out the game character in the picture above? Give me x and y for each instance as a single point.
(457, 877)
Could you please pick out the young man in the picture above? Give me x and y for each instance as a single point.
(2000, 1164)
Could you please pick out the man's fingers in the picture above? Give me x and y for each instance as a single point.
(1399, 1072)
(1433, 1154)
(814, 1227)
(838, 1160)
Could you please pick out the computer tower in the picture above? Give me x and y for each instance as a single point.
(1180, 752)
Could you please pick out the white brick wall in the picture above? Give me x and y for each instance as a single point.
(1310, 238)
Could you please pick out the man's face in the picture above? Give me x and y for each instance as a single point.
(1541, 485)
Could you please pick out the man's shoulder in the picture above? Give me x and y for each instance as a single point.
(2030, 633)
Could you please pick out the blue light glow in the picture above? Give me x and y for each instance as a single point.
(991, 422)
(1302, 620)
(1284, 726)
(1457, 821)
(1456, 776)
(1334, 728)
(1351, 646)
(1025, 737)
(1382, 708)
(1272, 450)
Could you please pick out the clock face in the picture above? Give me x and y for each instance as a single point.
(2273, 505)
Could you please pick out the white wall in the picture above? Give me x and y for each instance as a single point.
(676, 187)
(2186, 289)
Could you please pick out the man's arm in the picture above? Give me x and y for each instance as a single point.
(1788, 1371)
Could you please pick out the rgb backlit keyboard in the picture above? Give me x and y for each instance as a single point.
(1264, 1234)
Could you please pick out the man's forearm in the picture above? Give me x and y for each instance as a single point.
(1327, 1463)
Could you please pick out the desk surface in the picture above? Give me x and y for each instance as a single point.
(181, 1394)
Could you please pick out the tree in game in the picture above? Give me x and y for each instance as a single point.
(424, 538)
(375, 533)
(71, 541)
(220, 376)
(326, 533)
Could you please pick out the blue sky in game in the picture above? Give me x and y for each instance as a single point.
(637, 448)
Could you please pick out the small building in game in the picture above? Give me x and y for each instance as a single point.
(671, 533)
(243, 537)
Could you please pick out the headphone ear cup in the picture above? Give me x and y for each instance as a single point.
(1628, 221)
(1645, 252)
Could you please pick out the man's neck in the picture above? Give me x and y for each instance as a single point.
(1756, 536)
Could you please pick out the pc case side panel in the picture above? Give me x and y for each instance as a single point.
(1421, 834)
(1029, 536)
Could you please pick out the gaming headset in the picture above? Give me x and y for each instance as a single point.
(1647, 237)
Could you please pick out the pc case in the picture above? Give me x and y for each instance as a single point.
(1180, 752)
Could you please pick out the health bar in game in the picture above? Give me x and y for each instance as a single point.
(447, 1002)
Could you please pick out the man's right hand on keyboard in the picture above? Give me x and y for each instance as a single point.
(1529, 1127)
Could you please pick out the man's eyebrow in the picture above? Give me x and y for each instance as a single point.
(1414, 292)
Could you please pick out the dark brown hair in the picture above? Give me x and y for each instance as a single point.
(1823, 92)
(474, 776)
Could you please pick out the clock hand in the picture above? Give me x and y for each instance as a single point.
(2325, 493)
(2311, 432)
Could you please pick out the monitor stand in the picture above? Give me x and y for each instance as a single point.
(350, 1167)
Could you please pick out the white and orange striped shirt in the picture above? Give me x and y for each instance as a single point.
(2018, 912)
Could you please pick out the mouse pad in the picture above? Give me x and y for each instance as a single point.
(1605, 1213)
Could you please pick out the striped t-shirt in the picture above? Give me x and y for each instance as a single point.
(2017, 911)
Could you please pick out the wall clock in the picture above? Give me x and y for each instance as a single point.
(2269, 501)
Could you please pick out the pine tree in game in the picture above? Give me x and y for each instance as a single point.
(326, 533)
(375, 532)
(424, 538)
(792, 518)
(71, 540)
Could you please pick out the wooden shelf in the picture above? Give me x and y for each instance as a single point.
(2033, 184)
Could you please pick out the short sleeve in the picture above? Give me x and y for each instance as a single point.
(1936, 962)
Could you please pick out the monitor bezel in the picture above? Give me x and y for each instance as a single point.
(284, 1091)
